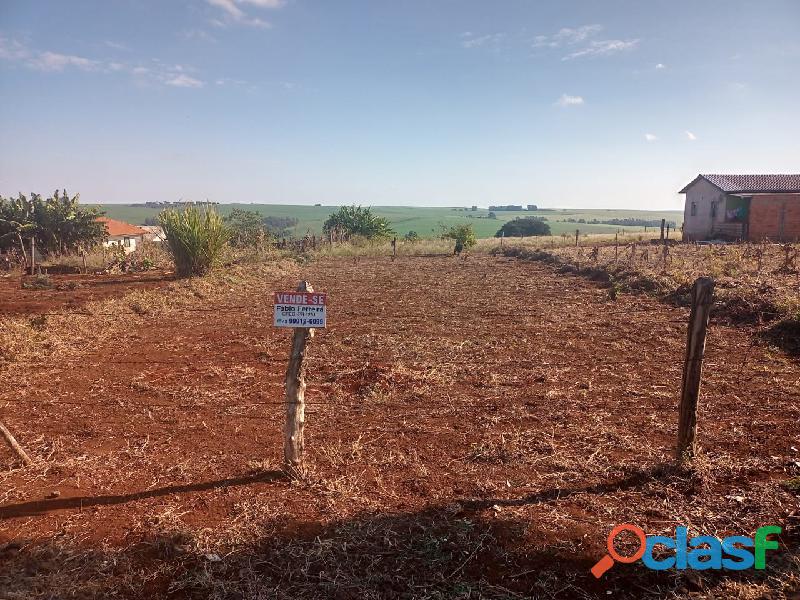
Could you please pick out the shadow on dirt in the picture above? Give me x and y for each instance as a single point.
(468, 550)
(38, 507)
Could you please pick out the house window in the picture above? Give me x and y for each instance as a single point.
(127, 242)
(693, 210)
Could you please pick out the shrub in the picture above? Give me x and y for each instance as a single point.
(464, 236)
(411, 236)
(195, 239)
(354, 220)
(246, 227)
(526, 226)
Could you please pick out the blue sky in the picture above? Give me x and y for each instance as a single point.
(428, 102)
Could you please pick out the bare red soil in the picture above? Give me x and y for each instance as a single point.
(474, 430)
(69, 291)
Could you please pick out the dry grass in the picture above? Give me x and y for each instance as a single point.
(461, 444)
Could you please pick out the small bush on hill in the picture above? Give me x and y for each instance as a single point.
(524, 226)
(195, 239)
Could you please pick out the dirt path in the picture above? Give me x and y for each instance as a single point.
(522, 411)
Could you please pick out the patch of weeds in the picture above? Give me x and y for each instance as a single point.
(39, 322)
(793, 485)
(38, 282)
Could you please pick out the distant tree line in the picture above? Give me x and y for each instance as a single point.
(177, 204)
(513, 207)
(629, 222)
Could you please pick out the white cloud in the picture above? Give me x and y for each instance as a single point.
(116, 45)
(198, 34)
(566, 36)
(154, 73)
(12, 50)
(53, 61)
(471, 41)
(602, 48)
(650, 137)
(660, 66)
(567, 100)
(690, 136)
(265, 3)
(184, 81)
(232, 13)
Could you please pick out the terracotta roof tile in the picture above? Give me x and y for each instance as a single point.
(115, 227)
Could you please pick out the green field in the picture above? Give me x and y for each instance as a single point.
(425, 221)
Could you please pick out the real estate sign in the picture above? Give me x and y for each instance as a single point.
(300, 309)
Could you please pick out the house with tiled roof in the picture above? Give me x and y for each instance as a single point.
(120, 233)
(742, 207)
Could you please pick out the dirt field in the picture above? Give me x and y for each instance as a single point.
(69, 291)
(474, 430)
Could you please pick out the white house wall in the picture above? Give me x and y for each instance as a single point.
(700, 226)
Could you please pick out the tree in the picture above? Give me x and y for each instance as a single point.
(491, 215)
(351, 221)
(524, 226)
(464, 236)
(280, 226)
(411, 236)
(58, 224)
(246, 227)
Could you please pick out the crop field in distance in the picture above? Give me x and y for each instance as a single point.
(425, 221)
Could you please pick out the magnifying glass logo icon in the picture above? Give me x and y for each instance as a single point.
(605, 563)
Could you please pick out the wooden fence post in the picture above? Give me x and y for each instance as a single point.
(577, 233)
(663, 223)
(33, 255)
(14, 445)
(293, 447)
(394, 248)
(702, 299)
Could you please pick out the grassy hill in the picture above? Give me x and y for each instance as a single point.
(424, 220)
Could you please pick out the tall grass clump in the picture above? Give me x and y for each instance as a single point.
(195, 239)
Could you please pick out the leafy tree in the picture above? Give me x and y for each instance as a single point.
(246, 227)
(524, 226)
(491, 215)
(464, 235)
(280, 226)
(58, 224)
(354, 220)
(411, 236)
(63, 226)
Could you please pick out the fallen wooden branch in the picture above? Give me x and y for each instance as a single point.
(14, 445)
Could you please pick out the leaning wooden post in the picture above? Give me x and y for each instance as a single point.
(702, 298)
(14, 445)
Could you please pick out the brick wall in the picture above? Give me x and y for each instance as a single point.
(765, 216)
